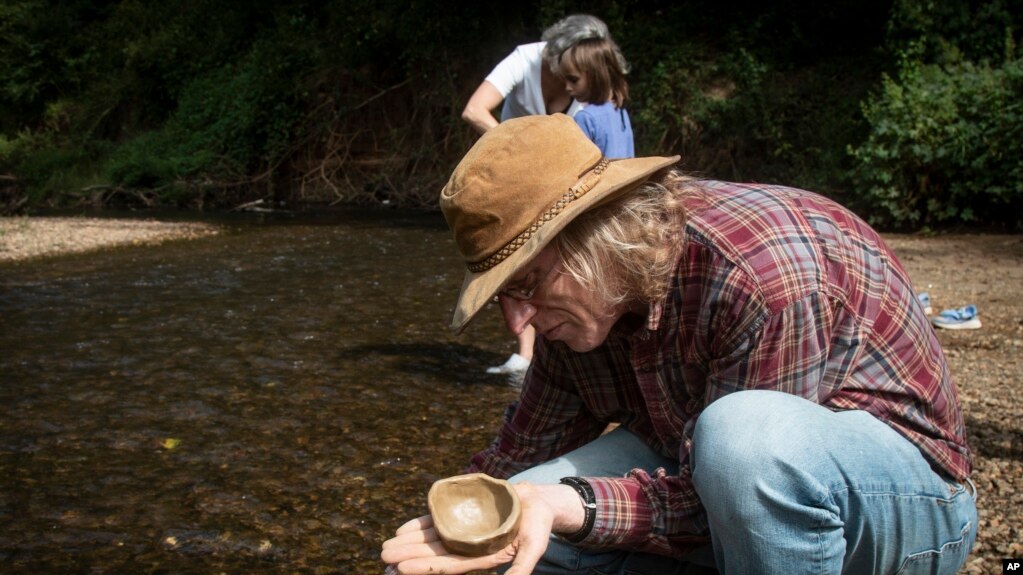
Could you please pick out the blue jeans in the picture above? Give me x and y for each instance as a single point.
(789, 487)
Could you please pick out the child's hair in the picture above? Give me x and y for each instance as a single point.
(601, 62)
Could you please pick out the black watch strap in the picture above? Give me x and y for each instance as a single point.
(585, 491)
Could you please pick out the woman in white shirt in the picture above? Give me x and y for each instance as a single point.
(524, 84)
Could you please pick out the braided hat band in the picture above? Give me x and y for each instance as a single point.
(575, 192)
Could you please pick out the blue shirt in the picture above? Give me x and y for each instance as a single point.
(609, 128)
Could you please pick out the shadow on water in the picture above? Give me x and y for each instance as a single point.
(274, 399)
(450, 363)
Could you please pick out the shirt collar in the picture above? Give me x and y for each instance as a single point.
(634, 325)
(654, 313)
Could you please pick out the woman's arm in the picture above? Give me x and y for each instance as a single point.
(478, 111)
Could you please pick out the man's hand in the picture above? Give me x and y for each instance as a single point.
(416, 548)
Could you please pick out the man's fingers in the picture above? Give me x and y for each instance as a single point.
(417, 524)
(448, 564)
(412, 537)
(416, 549)
(527, 555)
(398, 552)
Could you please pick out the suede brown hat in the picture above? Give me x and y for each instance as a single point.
(520, 185)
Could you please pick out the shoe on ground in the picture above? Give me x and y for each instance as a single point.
(925, 300)
(516, 364)
(515, 379)
(961, 318)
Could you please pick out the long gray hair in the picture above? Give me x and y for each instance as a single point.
(572, 29)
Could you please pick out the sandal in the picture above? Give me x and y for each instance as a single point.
(962, 318)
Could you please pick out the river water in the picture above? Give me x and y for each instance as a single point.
(277, 398)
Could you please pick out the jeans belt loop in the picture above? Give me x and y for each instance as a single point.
(971, 487)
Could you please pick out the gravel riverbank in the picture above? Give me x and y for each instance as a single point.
(959, 269)
(28, 237)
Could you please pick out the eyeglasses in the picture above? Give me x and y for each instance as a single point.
(521, 293)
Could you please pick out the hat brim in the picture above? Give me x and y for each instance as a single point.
(478, 288)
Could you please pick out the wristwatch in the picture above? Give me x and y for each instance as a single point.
(585, 491)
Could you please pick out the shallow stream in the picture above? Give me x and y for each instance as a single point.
(277, 398)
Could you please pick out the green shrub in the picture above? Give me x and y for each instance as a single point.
(231, 121)
(945, 147)
(149, 161)
(701, 108)
(244, 112)
(46, 166)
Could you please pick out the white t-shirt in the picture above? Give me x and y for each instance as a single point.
(517, 78)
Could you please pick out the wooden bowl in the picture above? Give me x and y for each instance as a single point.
(474, 514)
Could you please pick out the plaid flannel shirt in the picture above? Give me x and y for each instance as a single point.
(776, 288)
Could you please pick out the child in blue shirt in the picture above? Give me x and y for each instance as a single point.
(594, 72)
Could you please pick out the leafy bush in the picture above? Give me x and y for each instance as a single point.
(47, 166)
(945, 147)
(712, 111)
(151, 160)
(244, 111)
(358, 100)
(231, 121)
(948, 31)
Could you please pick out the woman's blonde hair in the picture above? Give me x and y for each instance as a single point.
(626, 251)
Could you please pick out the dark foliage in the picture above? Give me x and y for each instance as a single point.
(209, 104)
